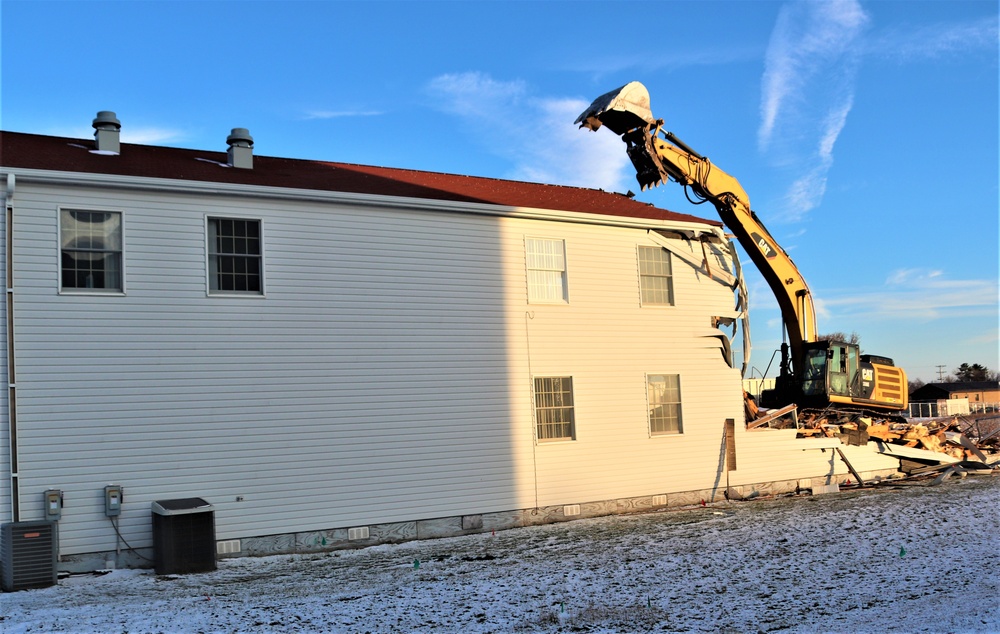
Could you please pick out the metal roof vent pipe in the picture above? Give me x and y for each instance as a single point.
(240, 148)
(107, 130)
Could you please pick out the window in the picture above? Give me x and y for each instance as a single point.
(656, 280)
(664, 394)
(814, 377)
(91, 245)
(554, 409)
(234, 256)
(546, 261)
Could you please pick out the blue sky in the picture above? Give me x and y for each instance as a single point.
(865, 133)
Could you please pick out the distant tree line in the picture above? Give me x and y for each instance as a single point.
(965, 373)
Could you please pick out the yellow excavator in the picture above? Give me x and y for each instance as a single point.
(814, 373)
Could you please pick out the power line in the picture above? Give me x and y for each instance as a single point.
(940, 372)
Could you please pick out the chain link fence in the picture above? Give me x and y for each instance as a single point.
(954, 407)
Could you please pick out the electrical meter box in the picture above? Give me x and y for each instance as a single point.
(53, 505)
(113, 494)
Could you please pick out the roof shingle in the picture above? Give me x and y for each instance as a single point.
(32, 151)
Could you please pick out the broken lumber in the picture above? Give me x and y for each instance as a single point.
(950, 471)
(964, 441)
(850, 467)
(770, 416)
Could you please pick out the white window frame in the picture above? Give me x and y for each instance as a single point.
(654, 401)
(542, 269)
(211, 263)
(63, 290)
(669, 277)
(543, 407)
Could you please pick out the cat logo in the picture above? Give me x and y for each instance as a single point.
(867, 374)
(764, 246)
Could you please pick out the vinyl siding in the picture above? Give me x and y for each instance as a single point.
(608, 342)
(766, 455)
(385, 376)
(342, 397)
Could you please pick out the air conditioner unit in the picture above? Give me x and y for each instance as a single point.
(183, 536)
(27, 555)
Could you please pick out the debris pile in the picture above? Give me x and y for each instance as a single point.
(958, 439)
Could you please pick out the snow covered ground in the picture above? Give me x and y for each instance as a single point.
(903, 558)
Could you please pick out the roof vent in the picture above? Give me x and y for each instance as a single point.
(240, 148)
(107, 132)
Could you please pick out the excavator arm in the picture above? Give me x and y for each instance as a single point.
(660, 156)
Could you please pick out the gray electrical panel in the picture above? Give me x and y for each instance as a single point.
(53, 499)
(113, 498)
(27, 555)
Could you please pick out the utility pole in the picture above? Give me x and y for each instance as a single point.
(940, 372)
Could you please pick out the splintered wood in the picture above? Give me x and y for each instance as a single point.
(854, 429)
(960, 438)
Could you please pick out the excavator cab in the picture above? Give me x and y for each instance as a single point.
(831, 367)
(837, 372)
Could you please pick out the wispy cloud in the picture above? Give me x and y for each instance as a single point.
(645, 62)
(476, 95)
(920, 294)
(149, 135)
(910, 294)
(985, 338)
(536, 133)
(935, 40)
(807, 89)
(341, 114)
(901, 277)
(807, 92)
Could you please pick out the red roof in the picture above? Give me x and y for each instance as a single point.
(32, 151)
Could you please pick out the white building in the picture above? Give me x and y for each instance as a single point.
(318, 347)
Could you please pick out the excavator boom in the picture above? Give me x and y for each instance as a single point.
(815, 372)
(626, 112)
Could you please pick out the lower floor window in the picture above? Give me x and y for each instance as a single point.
(554, 408)
(664, 394)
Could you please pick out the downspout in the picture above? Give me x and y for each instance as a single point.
(15, 506)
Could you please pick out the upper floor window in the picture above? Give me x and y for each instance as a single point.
(235, 262)
(656, 280)
(91, 249)
(546, 260)
(664, 394)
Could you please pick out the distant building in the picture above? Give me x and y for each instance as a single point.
(975, 391)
